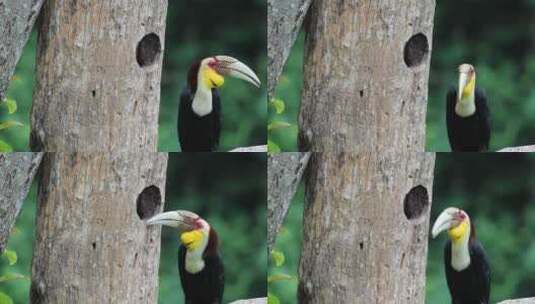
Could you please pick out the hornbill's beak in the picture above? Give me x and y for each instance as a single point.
(234, 68)
(466, 80)
(449, 218)
(181, 219)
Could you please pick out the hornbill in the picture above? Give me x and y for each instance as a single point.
(467, 114)
(199, 114)
(199, 264)
(466, 264)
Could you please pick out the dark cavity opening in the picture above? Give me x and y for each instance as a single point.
(416, 50)
(94, 93)
(148, 202)
(416, 202)
(361, 93)
(148, 50)
(94, 244)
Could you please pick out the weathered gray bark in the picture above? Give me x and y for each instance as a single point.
(284, 22)
(365, 228)
(16, 175)
(98, 76)
(262, 148)
(284, 175)
(519, 301)
(16, 22)
(91, 244)
(365, 85)
(251, 301)
(519, 149)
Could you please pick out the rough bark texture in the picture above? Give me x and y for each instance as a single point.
(284, 175)
(284, 22)
(251, 149)
(519, 149)
(91, 244)
(98, 76)
(251, 301)
(365, 84)
(366, 225)
(519, 301)
(16, 175)
(16, 22)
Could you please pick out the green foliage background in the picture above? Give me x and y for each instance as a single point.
(497, 192)
(195, 29)
(496, 36)
(231, 200)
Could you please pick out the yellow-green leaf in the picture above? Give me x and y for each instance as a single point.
(272, 299)
(11, 256)
(278, 257)
(9, 124)
(273, 147)
(5, 147)
(279, 277)
(12, 277)
(278, 104)
(278, 125)
(11, 105)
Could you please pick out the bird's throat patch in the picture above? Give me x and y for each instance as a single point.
(212, 79)
(192, 239)
(469, 88)
(458, 233)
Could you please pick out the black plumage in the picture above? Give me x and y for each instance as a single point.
(472, 133)
(196, 133)
(471, 285)
(206, 286)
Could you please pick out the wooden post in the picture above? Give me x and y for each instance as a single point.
(16, 24)
(92, 245)
(366, 70)
(98, 76)
(16, 175)
(365, 228)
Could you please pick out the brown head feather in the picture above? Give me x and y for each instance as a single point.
(213, 244)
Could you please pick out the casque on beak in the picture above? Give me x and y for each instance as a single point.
(234, 68)
(449, 218)
(181, 219)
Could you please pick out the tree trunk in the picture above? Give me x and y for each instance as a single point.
(284, 22)
(365, 227)
(366, 70)
(519, 149)
(519, 301)
(284, 175)
(98, 76)
(251, 301)
(16, 175)
(16, 22)
(92, 245)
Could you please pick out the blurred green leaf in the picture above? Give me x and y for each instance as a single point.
(273, 147)
(273, 299)
(12, 277)
(5, 299)
(9, 124)
(278, 125)
(11, 256)
(279, 277)
(11, 105)
(278, 257)
(278, 105)
(5, 147)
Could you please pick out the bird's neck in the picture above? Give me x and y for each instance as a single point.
(194, 261)
(202, 101)
(466, 104)
(460, 252)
